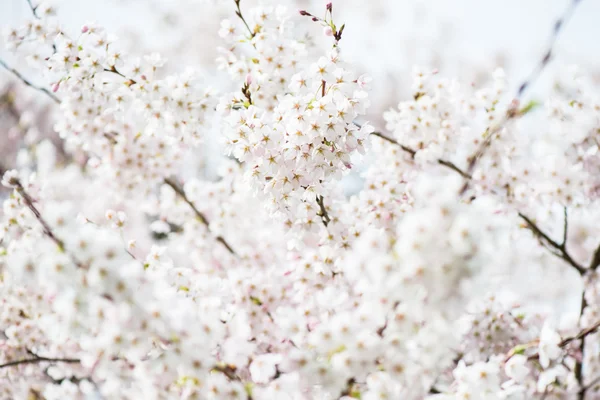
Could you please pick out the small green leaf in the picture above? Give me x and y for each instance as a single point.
(256, 300)
(529, 107)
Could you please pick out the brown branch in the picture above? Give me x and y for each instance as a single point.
(578, 369)
(181, 193)
(412, 153)
(46, 228)
(394, 141)
(581, 335)
(595, 259)
(559, 250)
(240, 16)
(114, 70)
(28, 82)
(591, 384)
(323, 211)
(39, 360)
(227, 370)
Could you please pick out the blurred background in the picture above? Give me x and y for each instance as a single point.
(462, 38)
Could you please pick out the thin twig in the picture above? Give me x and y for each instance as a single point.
(33, 9)
(394, 141)
(412, 153)
(239, 14)
(181, 193)
(38, 360)
(28, 82)
(587, 331)
(533, 76)
(559, 250)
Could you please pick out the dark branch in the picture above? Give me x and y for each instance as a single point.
(28, 82)
(394, 141)
(39, 360)
(180, 192)
(596, 259)
(240, 16)
(580, 335)
(559, 250)
(323, 211)
(33, 9)
(47, 230)
(412, 153)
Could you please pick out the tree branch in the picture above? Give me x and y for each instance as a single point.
(323, 211)
(239, 14)
(28, 82)
(412, 153)
(394, 141)
(559, 250)
(595, 259)
(46, 228)
(181, 193)
(39, 360)
(33, 9)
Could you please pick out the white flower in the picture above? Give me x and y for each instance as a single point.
(516, 368)
(264, 367)
(548, 348)
(10, 178)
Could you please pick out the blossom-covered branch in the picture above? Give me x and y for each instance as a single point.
(27, 82)
(181, 193)
(37, 360)
(558, 249)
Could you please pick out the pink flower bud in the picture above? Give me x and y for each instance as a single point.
(55, 87)
(327, 31)
(248, 80)
(329, 7)
(84, 29)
